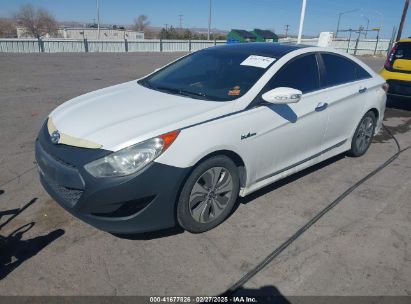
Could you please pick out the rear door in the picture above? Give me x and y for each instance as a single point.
(347, 91)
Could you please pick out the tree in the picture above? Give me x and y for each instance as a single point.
(140, 23)
(187, 34)
(37, 22)
(7, 28)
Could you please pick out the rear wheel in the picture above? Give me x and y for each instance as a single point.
(209, 194)
(363, 135)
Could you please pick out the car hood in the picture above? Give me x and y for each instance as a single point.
(125, 114)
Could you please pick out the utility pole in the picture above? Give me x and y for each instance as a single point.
(98, 20)
(209, 20)
(404, 14)
(300, 29)
(181, 21)
(287, 26)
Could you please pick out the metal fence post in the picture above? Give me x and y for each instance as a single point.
(161, 45)
(349, 42)
(41, 45)
(125, 45)
(215, 41)
(356, 46)
(376, 44)
(189, 45)
(85, 45)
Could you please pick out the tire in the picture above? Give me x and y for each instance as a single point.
(363, 135)
(208, 195)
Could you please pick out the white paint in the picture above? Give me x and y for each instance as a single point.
(282, 95)
(258, 61)
(285, 134)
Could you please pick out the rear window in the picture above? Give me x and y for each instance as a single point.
(403, 51)
(340, 70)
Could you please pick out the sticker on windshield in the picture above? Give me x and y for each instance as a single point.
(235, 91)
(258, 61)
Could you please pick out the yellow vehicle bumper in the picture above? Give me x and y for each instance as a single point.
(399, 83)
(395, 75)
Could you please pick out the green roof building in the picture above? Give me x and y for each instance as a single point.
(265, 36)
(236, 36)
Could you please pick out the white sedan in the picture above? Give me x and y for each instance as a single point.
(179, 146)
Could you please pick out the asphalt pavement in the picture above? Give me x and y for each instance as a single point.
(360, 247)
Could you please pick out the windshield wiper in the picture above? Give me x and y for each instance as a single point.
(197, 95)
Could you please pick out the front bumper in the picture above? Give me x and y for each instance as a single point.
(141, 202)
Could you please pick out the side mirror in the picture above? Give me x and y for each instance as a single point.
(282, 95)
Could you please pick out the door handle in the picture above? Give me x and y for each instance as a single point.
(321, 106)
(362, 90)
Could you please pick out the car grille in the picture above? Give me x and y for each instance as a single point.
(69, 196)
(62, 179)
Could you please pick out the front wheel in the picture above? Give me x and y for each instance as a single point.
(209, 194)
(363, 135)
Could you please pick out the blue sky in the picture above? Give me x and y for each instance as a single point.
(321, 15)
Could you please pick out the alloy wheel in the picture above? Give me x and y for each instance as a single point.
(364, 134)
(210, 194)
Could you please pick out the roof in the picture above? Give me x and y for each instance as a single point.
(244, 33)
(275, 50)
(266, 34)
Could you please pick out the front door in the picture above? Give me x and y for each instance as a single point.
(290, 134)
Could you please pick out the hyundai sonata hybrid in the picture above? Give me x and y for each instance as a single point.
(178, 146)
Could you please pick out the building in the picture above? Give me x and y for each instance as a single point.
(88, 33)
(105, 34)
(265, 36)
(236, 36)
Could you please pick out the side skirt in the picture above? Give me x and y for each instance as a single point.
(301, 165)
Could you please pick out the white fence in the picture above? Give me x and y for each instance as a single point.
(74, 45)
(353, 46)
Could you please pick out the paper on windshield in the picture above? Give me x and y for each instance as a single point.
(258, 61)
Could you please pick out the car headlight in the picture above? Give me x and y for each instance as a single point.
(131, 159)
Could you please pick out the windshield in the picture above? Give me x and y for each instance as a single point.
(217, 75)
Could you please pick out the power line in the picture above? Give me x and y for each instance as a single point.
(98, 20)
(181, 20)
(287, 27)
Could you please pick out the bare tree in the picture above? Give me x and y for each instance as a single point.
(37, 22)
(141, 23)
(7, 28)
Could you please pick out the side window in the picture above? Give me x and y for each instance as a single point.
(339, 70)
(301, 74)
(361, 73)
